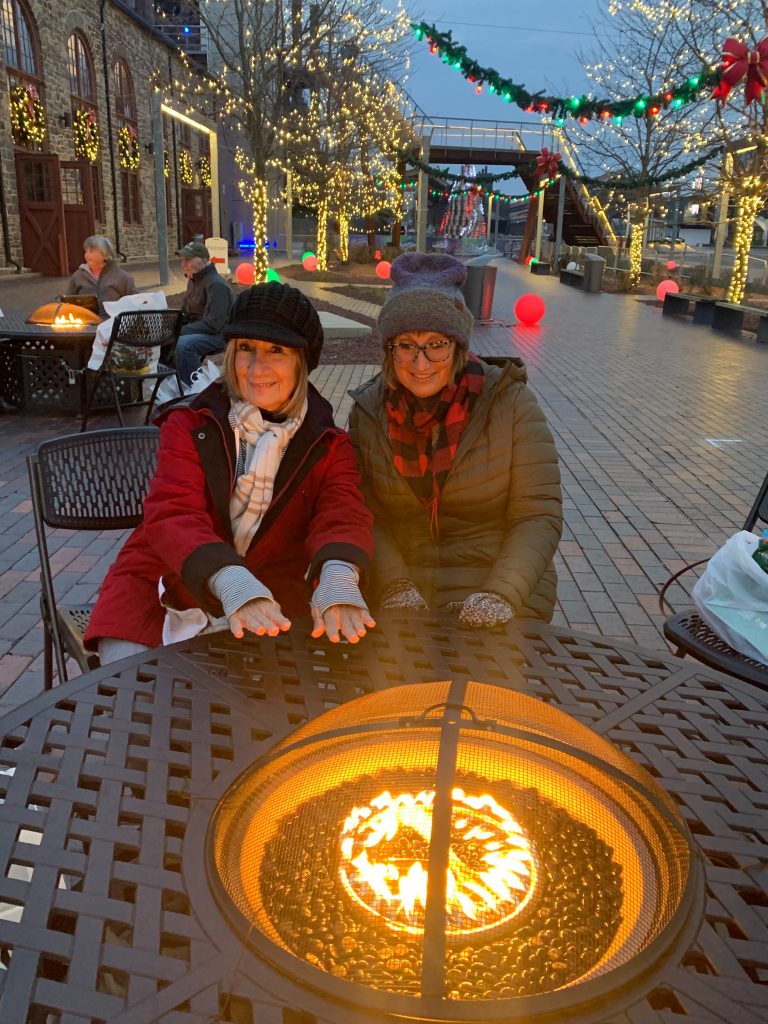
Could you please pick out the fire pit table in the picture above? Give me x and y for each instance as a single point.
(435, 825)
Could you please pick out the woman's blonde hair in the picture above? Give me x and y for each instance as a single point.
(460, 354)
(294, 404)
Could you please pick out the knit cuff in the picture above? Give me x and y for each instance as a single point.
(235, 586)
(338, 584)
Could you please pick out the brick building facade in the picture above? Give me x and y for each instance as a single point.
(55, 187)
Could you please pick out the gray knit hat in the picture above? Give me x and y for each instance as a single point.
(426, 296)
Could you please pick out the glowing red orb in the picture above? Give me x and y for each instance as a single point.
(309, 263)
(383, 269)
(528, 260)
(530, 308)
(671, 264)
(245, 273)
(665, 287)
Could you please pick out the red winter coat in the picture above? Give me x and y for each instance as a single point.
(316, 513)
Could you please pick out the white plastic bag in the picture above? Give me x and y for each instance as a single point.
(732, 597)
(127, 304)
(169, 389)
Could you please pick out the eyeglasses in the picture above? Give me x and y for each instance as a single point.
(435, 351)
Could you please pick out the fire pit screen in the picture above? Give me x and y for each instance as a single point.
(457, 850)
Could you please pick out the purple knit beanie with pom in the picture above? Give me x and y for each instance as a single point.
(426, 296)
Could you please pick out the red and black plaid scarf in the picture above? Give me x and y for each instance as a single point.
(423, 441)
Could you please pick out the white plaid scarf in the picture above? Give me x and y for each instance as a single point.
(265, 444)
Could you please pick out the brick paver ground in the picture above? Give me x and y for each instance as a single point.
(661, 439)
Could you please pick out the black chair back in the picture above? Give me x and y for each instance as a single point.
(759, 511)
(145, 328)
(95, 481)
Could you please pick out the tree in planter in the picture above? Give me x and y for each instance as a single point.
(263, 59)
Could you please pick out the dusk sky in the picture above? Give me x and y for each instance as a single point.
(532, 43)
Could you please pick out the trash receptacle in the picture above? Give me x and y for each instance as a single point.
(479, 287)
(593, 272)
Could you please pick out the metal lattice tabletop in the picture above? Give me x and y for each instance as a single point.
(109, 781)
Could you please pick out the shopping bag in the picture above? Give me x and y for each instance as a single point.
(126, 357)
(732, 597)
(169, 388)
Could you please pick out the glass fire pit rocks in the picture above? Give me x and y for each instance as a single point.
(450, 846)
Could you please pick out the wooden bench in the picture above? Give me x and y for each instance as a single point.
(729, 318)
(572, 277)
(679, 304)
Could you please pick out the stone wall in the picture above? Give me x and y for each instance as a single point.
(149, 60)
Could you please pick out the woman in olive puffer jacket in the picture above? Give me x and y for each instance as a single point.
(458, 464)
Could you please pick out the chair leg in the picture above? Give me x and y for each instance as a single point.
(153, 396)
(47, 657)
(116, 396)
(89, 396)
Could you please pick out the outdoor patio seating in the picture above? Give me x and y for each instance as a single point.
(692, 636)
(679, 304)
(157, 328)
(729, 318)
(93, 481)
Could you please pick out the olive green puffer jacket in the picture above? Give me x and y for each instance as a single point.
(500, 512)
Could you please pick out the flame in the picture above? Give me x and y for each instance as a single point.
(67, 320)
(384, 848)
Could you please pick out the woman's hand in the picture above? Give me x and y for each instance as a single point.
(261, 616)
(484, 610)
(347, 619)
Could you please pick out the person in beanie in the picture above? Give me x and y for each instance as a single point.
(205, 307)
(255, 514)
(458, 464)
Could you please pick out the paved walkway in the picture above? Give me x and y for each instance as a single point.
(659, 425)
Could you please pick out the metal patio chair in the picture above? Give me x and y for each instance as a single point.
(691, 635)
(140, 329)
(94, 481)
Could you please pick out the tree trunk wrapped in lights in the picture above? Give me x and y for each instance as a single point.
(254, 190)
(748, 209)
(636, 249)
(321, 249)
(344, 236)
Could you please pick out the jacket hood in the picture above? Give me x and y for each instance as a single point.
(497, 378)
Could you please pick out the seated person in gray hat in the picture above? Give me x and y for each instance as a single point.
(206, 308)
(255, 514)
(458, 464)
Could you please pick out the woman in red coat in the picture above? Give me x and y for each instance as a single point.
(254, 515)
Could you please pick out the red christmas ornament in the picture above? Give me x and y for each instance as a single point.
(547, 163)
(309, 263)
(530, 308)
(665, 287)
(528, 260)
(739, 63)
(383, 269)
(245, 273)
(671, 264)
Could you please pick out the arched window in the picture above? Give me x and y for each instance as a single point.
(85, 115)
(25, 81)
(128, 142)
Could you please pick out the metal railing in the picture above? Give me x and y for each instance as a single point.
(591, 206)
(499, 137)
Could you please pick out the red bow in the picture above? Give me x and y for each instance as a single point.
(546, 163)
(740, 63)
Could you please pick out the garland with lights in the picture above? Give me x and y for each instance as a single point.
(166, 164)
(27, 114)
(204, 171)
(85, 131)
(582, 108)
(186, 171)
(128, 148)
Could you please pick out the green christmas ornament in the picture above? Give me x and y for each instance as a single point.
(272, 275)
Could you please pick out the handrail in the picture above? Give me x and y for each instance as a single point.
(591, 205)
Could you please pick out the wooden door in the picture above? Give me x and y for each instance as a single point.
(43, 233)
(195, 213)
(79, 209)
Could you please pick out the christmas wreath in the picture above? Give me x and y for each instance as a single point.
(186, 172)
(27, 114)
(128, 146)
(86, 134)
(204, 170)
